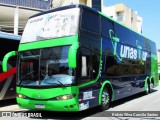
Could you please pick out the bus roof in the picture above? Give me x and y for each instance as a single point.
(9, 36)
(65, 7)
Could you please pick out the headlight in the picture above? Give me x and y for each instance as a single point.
(65, 97)
(21, 96)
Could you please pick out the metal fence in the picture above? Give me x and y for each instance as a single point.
(39, 4)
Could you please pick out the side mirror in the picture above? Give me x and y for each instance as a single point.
(72, 55)
(5, 60)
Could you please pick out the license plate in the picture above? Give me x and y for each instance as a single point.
(39, 106)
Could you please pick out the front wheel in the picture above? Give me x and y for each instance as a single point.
(147, 87)
(106, 99)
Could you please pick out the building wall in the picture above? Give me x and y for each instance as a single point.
(97, 4)
(124, 15)
(110, 12)
(139, 24)
(58, 3)
(22, 9)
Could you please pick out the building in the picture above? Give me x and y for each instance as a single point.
(124, 15)
(97, 4)
(57, 3)
(14, 13)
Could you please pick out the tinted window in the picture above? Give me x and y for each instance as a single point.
(54, 60)
(111, 66)
(139, 41)
(90, 21)
(90, 40)
(152, 47)
(107, 46)
(129, 37)
(47, 66)
(95, 64)
(106, 26)
(84, 65)
(124, 69)
(124, 34)
(5, 46)
(88, 65)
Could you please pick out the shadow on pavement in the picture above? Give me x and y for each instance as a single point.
(127, 99)
(8, 102)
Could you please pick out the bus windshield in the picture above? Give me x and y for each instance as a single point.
(45, 67)
(52, 25)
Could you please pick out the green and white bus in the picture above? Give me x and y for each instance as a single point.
(73, 58)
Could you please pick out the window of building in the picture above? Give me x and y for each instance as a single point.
(120, 16)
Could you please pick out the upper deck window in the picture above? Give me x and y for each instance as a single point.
(52, 25)
(90, 22)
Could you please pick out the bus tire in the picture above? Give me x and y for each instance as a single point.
(147, 88)
(106, 99)
(151, 87)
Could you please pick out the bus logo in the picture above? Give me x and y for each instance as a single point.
(39, 96)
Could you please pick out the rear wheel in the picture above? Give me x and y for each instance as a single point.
(106, 99)
(151, 87)
(147, 87)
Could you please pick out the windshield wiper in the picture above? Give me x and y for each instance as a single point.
(25, 77)
(63, 85)
(55, 83)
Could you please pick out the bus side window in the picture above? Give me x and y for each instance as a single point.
(90, 22)
(89, 62)
(106, 26)
(111, 66)
(95, 64)
(84, 65)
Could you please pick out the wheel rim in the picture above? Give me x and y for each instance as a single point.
(105, 98)
(151, 86)
(147, 89)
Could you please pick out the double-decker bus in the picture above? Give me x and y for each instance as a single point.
(8, 42)
(73, 58)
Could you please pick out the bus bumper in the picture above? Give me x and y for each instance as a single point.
(59, 105)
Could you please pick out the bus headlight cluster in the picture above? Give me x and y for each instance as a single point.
(65, 97)
(21, 96)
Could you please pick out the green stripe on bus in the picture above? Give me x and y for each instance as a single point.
(48, 43)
